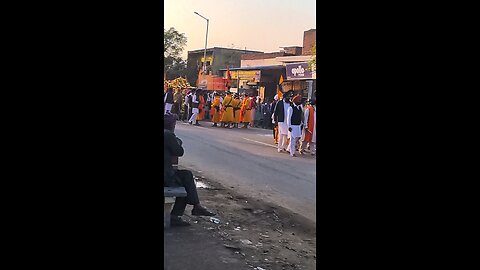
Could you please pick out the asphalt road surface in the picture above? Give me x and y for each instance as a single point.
(248, 161)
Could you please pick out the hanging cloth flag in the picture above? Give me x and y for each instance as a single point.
(279, 93)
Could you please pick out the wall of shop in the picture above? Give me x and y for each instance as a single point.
(260, 62)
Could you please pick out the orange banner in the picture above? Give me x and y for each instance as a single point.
(211, 82)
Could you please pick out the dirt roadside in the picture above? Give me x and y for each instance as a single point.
(259, 234)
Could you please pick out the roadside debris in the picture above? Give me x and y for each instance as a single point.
(274, 238)
(232, 247)
(246, 241)
(214, 220)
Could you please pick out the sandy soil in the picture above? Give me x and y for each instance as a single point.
(263, 235)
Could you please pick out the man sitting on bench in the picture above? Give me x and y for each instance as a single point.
(173, 148)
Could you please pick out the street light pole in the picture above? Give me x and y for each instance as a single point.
(205, 51)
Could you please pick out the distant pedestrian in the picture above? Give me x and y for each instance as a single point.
(195, 103)
(227, 117)
(309, 135)
(246, 111)
(294, 122)
(216, 109)
(237, 106)
(186, 107)
(274, 124)
(188, 99)
(168, 100)
(266, 113)
(177, 102)
(280, 117)
(253, 108)
(258, 114)
(208, 106)
(201, 105)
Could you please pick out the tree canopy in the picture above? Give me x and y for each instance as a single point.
(174, 43)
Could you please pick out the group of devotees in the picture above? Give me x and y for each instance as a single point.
(294, 123)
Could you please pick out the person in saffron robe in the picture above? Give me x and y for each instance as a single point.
(237, 104)
(201, 106)
(216, 109)
(246, 111)
(227, 117)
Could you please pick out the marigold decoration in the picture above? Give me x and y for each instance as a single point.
(178, 83)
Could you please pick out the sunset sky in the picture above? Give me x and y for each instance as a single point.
(263, 25)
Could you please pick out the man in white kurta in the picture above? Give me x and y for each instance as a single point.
(168, 101)
(294, 121)
(280, 117)
(195, 111)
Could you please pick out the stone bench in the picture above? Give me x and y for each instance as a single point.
(169, 194)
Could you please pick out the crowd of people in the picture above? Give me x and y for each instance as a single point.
(292, 119)
(226, 109)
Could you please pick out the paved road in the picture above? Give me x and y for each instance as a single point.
(247, 160)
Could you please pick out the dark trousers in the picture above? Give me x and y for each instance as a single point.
(185, 112)
(186, 178)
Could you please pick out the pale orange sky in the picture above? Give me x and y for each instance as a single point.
(262, 25)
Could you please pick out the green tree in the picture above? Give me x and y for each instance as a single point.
(174, 43)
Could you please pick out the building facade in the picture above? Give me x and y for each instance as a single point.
(299, 76)
(309, 39)
(216, 59)
(260, 80)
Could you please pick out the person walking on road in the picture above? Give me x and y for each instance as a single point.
(246, 111)
(266, 114)
(216, 109)
(172, 146)
(188, 106)
(201, 105)
(309, 135)
(280, 117)
(294, 123)
(168, 100)
(227, 117)
(237, 104)
(177, 102)
(195, 103)
(274, 124)
(253, 108)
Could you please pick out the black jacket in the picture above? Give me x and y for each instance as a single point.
(172, 146)
(272, 107)
(279, 112)
(169, 97)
